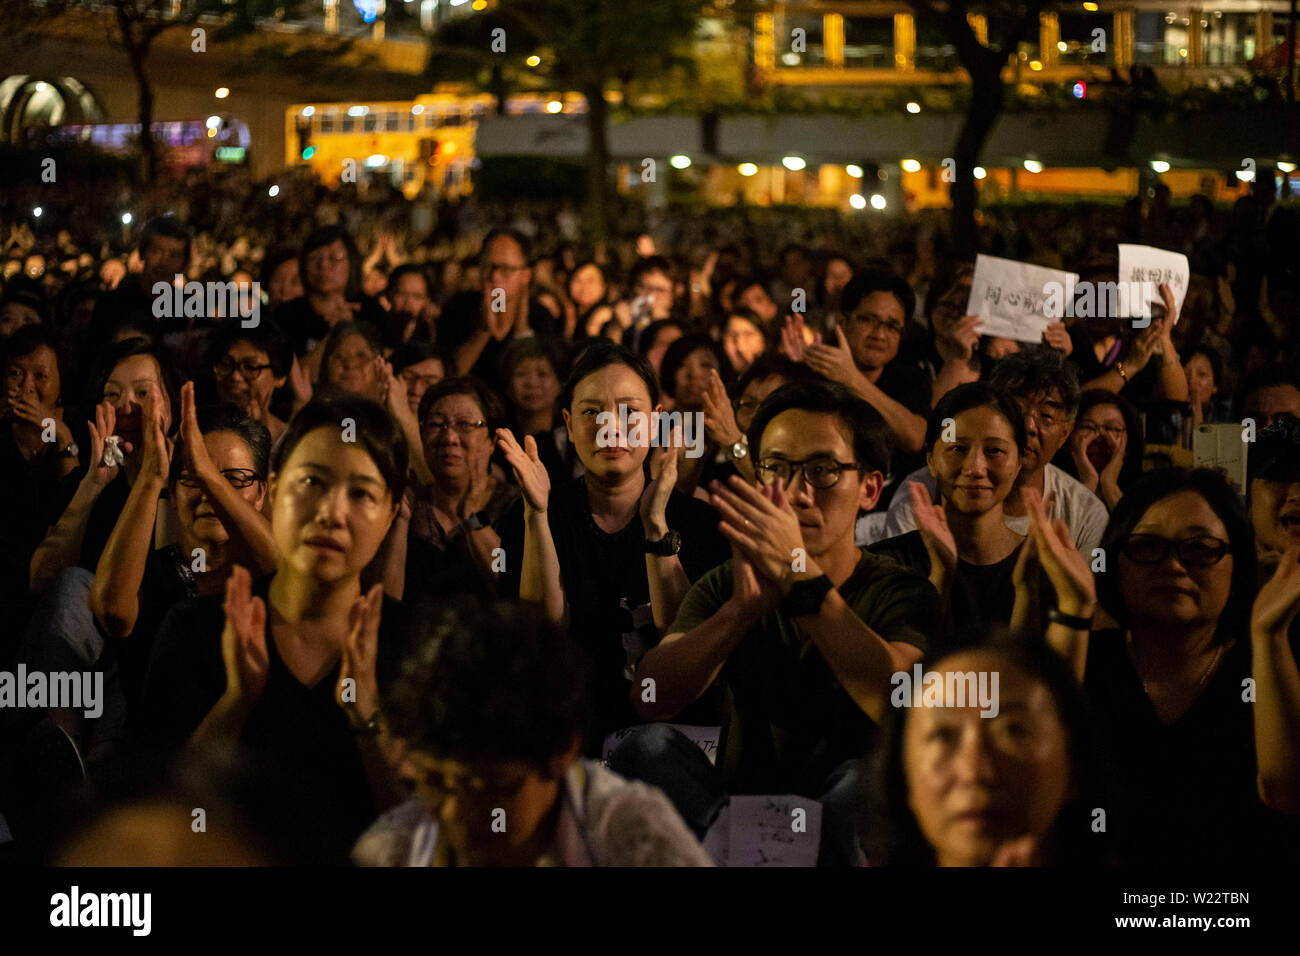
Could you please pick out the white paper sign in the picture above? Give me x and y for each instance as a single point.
(774, 831)
(1009, 297)
(1152, 266)
(706, 738)
(1220, 447)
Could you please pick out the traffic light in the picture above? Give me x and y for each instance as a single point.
(305, 149)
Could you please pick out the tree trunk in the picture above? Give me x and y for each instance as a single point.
(499, 88)
(597, 164)
(987, 97)
(144, 89)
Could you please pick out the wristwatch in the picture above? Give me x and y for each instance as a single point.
(806, 596)
(478, 521)
(738, 450)
(72, 451)
(1057, 616)
(666, 546)
(371, 727)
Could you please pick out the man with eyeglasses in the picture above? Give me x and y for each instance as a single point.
(803, 628)
(1046, 386)
(478, 326)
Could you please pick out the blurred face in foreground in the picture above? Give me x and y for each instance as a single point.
(975, 783)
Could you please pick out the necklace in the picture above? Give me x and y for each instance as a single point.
(1201, 681)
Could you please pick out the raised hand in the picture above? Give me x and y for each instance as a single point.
(479, 491)
(792, 337)
(243, 641)
(663, 476)
(1067, 569)
(719, 417)
(1278, 601)
(932, 522)
(752, 594)
(1079, 452)
(529, 471)
(956, 341)
(360, 651)
(764, 527)
(1110, 474)
(155, 464)
(1058, 337)
(299, 384)
(100, 429)
(834, 361)
(500, 323)
(197, 459)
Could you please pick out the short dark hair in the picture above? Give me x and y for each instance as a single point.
(870, 435)
(227, 417)
(266, 336)
(27, 340)
(413, 353)
(335, 337)
(327, 236)
(1155, 486)
(376, 432)
(167, 226)
(274, 259)
(776, 363)
(409, 269)
(894, 837)
(1274, 375)
(868, 281)
(477, 389)
(646, 337)
(1135, 450)
(119, 351)
(488, 680)
(1211, 355)
(647, 264)
(600, 354)
(680, 350)
(1275, 455)
(974, 395)
(532, 347)
(518, 238)
(1036, 371)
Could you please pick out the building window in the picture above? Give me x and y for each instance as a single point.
(1077, 33)
(349, 124)
(933, 51)
(327, 121)
(1227, 38)
(392, 121)
(810, 41)
(1160, 39)
(869, 43)
(369, 122)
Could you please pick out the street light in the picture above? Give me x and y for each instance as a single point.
(980, 172)
(877, 201)
(1033, 166)
(914, 107)
(679, 161)
(126, 218)
(747, 169)
(854, 170)
(273, 191)
(554, 106)
(222, 92)
(1159, 165)
(793, 163)
(911, 166)
(857, 201)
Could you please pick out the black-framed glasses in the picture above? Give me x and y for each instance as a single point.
(226, 367)
(873, 322)
(237, 477)
(1199, 552)
(1088, 429)
(820, 471)
(436, 425)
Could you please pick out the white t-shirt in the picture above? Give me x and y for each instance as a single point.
(1081, 510)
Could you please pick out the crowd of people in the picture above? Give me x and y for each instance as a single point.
(383, 569)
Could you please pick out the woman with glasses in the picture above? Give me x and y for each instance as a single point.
(249, 365)
(1170, 687)
(445, 538)
(216, 478)
(1106, 446)
(352, 361)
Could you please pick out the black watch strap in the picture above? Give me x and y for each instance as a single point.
(806, 596)
(1057, 616)
(478, 521)
(666, 546)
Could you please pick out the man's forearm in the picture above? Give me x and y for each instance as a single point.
(907, 427)
(468, 354)
(684, 666)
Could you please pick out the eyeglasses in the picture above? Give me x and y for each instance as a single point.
(237, 477)
(873, 322)
(494, 267)
(1088, 429)
(1200, 552)
(226, 367)
(410, 378)
(1045, 417)
(820, 471)
(355, 360)
(644, 288)
(437, 425)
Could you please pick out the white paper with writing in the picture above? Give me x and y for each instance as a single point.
(706, 738)
(1147, 264)
(1009, 297)
(774, 831)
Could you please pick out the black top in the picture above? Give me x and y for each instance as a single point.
(910, 387)
(790, 722)
(300, 728)
(103, 518)
(305, 327)
(168, 580)
(462, 316)
(982, 597)
(440, 563)
(1187, 792)
(604, 577)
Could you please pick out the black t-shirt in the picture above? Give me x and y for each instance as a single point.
(1187, 790)
(301, 729)
(982, 597)
(911, 388)
(790, 722)
(605, 583)
(167, 581)
(462, 317)
(103, 518)
(305, 327)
